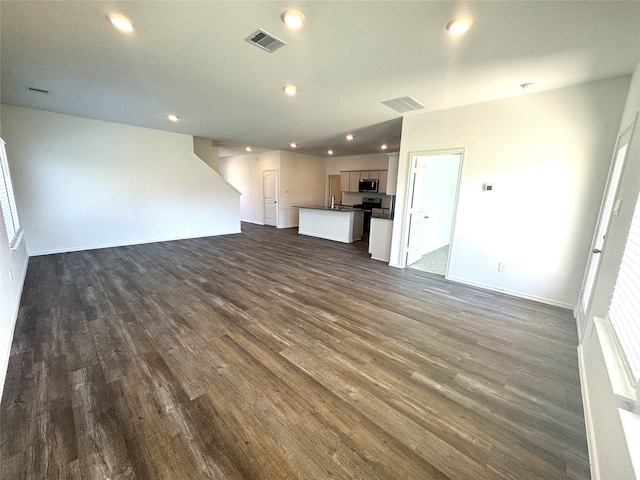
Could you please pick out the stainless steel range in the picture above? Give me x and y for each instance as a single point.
(368, 204)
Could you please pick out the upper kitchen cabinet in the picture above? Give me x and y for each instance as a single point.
(354, 181)
(345, 183)
(350, 181)
(382, 177)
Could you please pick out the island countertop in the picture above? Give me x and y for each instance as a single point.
(339, 208)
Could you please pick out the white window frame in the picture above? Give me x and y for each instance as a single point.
(624, 309)
(8, 200)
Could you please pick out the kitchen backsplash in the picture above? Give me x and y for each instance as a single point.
(356, 198)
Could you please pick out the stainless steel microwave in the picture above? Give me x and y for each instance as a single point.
(368, 186)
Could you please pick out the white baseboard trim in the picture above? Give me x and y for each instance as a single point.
(127, 244)
(513, 294)
(591, 440)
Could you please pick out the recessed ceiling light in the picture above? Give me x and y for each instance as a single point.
(290, 90)
(349, 137)
(527, 85)
(293, 145)
(173, 118)
(383, 146)
(330, 152)
(120, 22)
(458, 26)
(292, 18)
(248, 149)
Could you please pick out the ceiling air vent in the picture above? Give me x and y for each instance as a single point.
(404, 104)
(39, 90)
(265, 41)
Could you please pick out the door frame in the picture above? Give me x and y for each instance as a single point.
(406, 221)
(582, 310)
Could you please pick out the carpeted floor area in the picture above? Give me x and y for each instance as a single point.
(433, 262)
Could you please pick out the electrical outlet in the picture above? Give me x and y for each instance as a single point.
(502, 267)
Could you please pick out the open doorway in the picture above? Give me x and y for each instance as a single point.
(334, 190)
(434, 181)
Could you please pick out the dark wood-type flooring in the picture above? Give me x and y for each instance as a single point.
(269, 355)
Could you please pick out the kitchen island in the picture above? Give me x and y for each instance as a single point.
(341, 224)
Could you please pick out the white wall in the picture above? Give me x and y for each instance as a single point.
(206, 152)
(244, 172)
(302, 182)
(88, 184)
(606, 442)
(376, 161)
(547, 155)
(13, 268)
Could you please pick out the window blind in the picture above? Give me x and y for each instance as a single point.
(624, 311)
(7, 199)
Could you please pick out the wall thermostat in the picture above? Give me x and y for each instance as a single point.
(487, 187)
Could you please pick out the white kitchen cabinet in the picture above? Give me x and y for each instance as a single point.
(344, 182)
(382, 181)
(350, 181)
(354, 181)
(380, 238)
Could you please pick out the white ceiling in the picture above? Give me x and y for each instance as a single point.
(190, 58)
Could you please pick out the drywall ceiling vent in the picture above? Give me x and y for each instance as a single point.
(265, 41)
(404, 104)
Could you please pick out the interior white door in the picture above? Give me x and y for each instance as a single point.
(419, 222)
(599, 240)
(270, 191)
